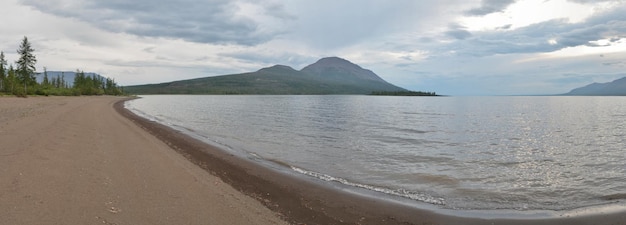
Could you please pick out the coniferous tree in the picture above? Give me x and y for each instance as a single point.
(11, 80)
(111, 88)
(78, 82)
(26, 64)
(62, 82)
(45, 83)
(45, 86)
(24, 74)
(56, 82)
(3, 64)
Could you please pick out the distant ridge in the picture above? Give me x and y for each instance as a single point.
(330, 75)
(68, 76)
(613, 88)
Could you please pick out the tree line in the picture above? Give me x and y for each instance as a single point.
(404, 93)
(20, 80)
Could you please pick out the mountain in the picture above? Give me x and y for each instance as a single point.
(331, 75)
(613, 88)
(67, 76)
(340, 69)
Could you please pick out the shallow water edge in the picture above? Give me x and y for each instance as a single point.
(365, 204)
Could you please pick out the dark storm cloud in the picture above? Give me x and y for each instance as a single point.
(209, 21)
(490, 6)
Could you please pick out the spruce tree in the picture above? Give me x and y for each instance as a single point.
(56, 82)
(3, 64)
(45, 83)
(26, 64)
(62, 82)
(10, 80)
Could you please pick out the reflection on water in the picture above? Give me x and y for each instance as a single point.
(474, 152)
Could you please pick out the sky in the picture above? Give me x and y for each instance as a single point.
(452, 47)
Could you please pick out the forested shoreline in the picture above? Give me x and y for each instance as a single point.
(19, 79)
(404, 93)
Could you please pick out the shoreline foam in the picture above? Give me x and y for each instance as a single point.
(302, 200)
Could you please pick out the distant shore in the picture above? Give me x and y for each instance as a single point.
(403, 93)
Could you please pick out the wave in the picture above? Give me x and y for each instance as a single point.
(399, 192)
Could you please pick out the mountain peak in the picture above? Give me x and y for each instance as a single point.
(335, 62)
(277, 68)
(338, 67)
(334, 59)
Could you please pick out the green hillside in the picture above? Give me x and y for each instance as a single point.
(328, 76)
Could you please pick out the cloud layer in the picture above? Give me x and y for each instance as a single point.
(490, 6)
(212, 21)
(449, 46)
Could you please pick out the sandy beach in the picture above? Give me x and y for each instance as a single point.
(74, 160)
(87, 160)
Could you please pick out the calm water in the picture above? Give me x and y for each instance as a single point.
(522, 153)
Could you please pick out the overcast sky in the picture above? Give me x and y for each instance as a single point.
(455, 47)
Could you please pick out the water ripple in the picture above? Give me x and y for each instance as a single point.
(475, 152)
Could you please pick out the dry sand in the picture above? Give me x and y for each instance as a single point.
(74, 160)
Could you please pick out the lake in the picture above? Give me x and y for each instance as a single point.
(520, 153)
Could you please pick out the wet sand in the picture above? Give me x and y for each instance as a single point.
(73, 160)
